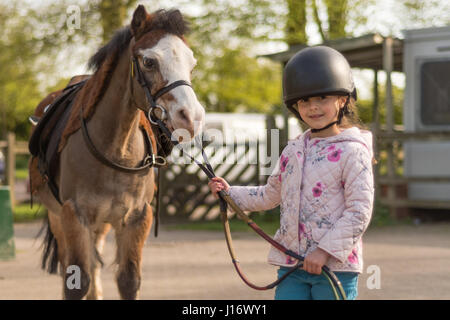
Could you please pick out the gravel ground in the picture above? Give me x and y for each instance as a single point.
(414, 263)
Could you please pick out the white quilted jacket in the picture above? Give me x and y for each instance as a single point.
(325, 189)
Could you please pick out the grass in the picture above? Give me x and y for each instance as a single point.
(21, 174)
(269, 222)
(24, 213)
(381, 217)
(21, 167)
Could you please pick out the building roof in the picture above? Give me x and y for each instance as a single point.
(365, 52)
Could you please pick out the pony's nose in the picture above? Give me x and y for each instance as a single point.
(186, 120)
(183, 115)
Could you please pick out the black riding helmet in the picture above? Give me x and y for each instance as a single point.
(317, 71)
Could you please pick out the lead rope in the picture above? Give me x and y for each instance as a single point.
(224, 201)
(331, 277)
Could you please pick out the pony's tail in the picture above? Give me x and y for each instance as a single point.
(50, 259)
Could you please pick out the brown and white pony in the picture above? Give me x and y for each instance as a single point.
(95, 197)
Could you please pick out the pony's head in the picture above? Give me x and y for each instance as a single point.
(163, 56)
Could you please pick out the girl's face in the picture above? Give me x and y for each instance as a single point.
(319, 111)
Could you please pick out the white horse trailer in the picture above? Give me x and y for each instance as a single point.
(427, 108)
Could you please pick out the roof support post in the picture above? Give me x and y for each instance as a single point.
(375, 131)
(388, 59)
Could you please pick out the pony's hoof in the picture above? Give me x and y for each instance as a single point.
(77, 292)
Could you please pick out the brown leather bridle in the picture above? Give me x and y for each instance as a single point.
(150, 158)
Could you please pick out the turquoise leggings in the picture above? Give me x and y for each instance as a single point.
(301, 285)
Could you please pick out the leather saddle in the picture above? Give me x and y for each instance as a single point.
(46, 136)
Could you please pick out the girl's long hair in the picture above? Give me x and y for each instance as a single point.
(351, 117)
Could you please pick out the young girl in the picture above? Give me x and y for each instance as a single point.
(323, 181)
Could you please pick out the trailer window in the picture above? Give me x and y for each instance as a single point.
(435, 102)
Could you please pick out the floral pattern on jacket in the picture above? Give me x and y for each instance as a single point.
(324, 187)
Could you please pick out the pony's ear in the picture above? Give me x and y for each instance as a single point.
(138, 22)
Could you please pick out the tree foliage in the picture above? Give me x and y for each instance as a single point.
(365, 107)
(18, 86)
(37, 43)
(431, 12)
(228, 76)
(337, 18)
(238, 82)
(113, 14)
(333, 23)
(295, 31)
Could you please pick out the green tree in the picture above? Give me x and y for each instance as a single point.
(418, 13)
(113, 14)
(18, 85)
(238, 82)
(296, 22)
(365, 107)
(336, 19)
(38, 42)
(229, 76)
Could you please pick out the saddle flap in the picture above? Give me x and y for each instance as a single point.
(41, 134)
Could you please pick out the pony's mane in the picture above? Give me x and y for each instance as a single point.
(170, 21)
(116, 46)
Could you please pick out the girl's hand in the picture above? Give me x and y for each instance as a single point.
(218, 184)
(314, 261)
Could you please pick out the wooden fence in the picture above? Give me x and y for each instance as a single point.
(10, 149)
(184, 187)
(184, 190)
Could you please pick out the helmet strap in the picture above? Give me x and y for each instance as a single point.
(326, 127)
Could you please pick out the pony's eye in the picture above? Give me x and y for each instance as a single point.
(148, 62)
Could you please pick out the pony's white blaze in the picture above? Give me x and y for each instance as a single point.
(176, 61)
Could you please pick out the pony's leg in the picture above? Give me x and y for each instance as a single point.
(95, 291)
(79, 251)
(130, 238)
(57, 230)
